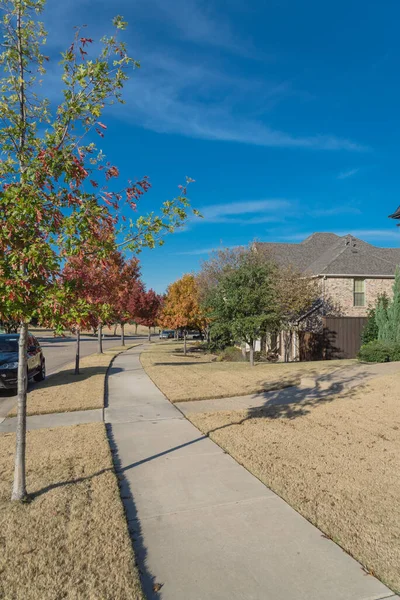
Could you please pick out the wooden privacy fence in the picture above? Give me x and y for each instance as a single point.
(340, 338)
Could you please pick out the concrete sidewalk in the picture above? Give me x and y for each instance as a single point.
(203, 527)
(311, 391)
(64, 419)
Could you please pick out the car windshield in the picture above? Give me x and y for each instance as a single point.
(10, 345)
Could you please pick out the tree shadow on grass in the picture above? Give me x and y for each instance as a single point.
(297, 401)
(68, 377)
(59, 484)
(65, 377)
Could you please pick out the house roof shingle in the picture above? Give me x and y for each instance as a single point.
(330, 254)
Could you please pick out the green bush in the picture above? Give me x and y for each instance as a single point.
(377, 351)
(220, 339)
(395, 353)
(231, 354)
(370, 332)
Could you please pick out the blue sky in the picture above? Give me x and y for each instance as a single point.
(285, 113)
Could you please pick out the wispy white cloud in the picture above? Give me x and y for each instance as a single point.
(347, 174)
(250, 212)
(165, 105)
(175, 95)
(196, 22)
(335, 210)
(181, 20)
(196, 252)
(203, 251)
(179, 92)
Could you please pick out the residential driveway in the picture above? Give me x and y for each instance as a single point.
(311, 391)
(202, 526)
(59, 352)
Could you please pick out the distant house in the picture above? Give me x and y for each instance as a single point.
(352, 272)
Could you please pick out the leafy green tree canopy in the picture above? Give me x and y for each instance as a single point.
(244, 301)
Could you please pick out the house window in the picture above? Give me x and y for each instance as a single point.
(359, 292)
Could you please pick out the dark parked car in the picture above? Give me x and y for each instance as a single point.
(9, 360)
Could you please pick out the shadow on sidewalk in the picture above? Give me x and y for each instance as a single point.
(149, 583)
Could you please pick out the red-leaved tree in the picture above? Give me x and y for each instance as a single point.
(150, 306)
(57, 192)
(127, 295)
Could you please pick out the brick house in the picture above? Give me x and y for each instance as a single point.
(352, 273)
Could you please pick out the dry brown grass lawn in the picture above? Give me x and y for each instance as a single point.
(337, 463)
(199, 377)
(66, 392)
(72, 540)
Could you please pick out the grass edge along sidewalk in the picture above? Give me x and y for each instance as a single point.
(66, 392)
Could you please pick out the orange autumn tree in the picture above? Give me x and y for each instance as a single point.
(182, 308)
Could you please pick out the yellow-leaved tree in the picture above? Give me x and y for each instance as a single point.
(182, 308)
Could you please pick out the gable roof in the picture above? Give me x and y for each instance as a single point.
(331, 254)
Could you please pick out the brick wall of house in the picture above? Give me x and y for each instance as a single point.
(340, 290)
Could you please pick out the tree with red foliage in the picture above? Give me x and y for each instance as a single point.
(57, 192)
(150, 306)
(93, 285)
(65, 307)
(127, 294)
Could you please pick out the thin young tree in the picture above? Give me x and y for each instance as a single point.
(55, 191)
(126, 293)
(149, 311)
(182, 308)
(89, 282)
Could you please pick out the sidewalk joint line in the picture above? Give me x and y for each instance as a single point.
(208, 506)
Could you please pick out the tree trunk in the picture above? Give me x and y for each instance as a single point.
(263, 342)
(19, 487)
(252, 353)
(149, 334)
(287, 337)
(122, 334)
(115, 329)
(184, 342)
(100, 338)
(136, 326)
(244, 353)
(77, 350)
